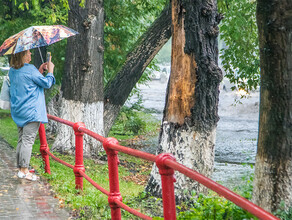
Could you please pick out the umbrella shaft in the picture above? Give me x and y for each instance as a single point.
(41, 55)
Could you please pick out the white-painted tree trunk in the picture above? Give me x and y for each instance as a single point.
(193, 149)
(81, 97)
(91, 114)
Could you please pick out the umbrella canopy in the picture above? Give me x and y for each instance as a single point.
(35, 36)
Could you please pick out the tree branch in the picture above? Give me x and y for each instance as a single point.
(149, 44)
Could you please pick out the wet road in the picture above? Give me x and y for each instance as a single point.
(237, 131)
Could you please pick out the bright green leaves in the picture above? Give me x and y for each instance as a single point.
(82, 3)
(23, 6)
(65, 4)
(125, 22)
(35, 4)
(52, 12)
(240, 55)
(26, 5)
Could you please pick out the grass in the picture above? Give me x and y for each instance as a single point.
(8, 129)
(96, 204)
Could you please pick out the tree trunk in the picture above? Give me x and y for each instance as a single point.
(81, 96)
(37, 61)
(119, 89)
(273, 179)
(190, 116)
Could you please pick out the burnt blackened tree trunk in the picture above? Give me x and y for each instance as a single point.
(82, 86)
(149, 44)
(273, 179)
(191, 111)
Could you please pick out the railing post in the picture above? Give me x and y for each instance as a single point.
(113, 162)
(167, 184)
(44, 146)
(79, 166)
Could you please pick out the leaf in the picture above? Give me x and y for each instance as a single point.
(21, 6)
(27, 5)
(239, 53)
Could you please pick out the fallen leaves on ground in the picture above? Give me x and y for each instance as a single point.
(139, 172)
(137, 178)
(61, 203)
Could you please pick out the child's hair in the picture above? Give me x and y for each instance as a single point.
(17, 60)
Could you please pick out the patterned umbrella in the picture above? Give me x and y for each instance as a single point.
(35, 36)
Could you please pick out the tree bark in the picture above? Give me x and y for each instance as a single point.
(190, 116)
(273, 179)
(81, 96)
(37, 61)
(119, 89)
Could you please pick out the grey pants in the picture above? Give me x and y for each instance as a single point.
(26, 138)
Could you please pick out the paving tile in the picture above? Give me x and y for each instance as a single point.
(21, 199)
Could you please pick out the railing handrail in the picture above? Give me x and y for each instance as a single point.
(221, 190)
(167, 164)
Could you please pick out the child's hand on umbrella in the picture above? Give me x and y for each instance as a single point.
(43, 67)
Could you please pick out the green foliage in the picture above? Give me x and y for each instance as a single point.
(283, 212)
(245, 190)
(2, 74)
(3, 61)
(216, 207)
(125, 22)
(51, 93)
(238, 30)
(129, 120)
(135, 124)
(18, 15)
(8, 128)
(147, 205)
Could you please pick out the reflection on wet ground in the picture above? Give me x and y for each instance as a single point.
(22, 199)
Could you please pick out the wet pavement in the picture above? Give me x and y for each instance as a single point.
(21, 199)
(236, 138)
(237, 130)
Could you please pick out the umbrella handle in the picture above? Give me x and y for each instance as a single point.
(41, 55)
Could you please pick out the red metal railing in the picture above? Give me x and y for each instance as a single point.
(165, 162)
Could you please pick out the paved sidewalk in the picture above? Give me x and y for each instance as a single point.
(22, 199)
